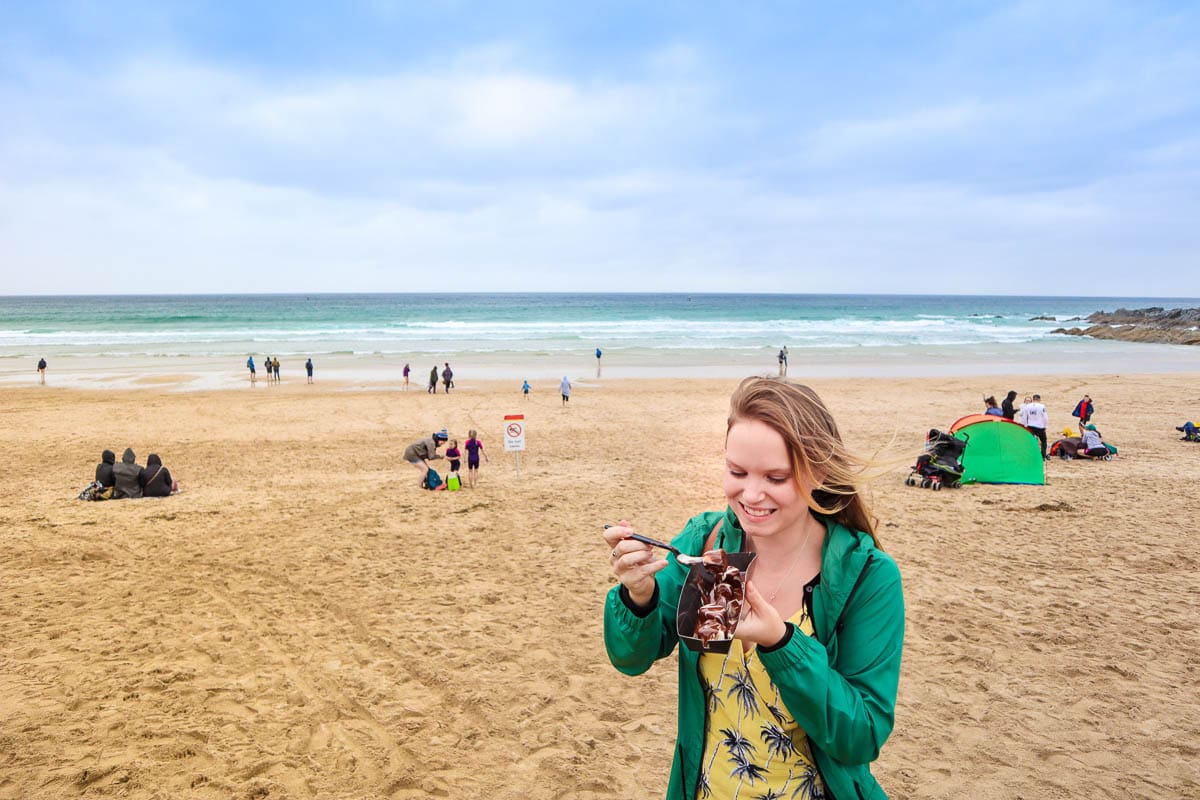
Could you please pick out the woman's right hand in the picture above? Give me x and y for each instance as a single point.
(633, 562)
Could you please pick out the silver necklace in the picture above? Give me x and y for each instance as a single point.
(788, 574)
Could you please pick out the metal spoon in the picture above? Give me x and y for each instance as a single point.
(682, 558)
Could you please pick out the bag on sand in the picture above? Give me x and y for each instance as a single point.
(432, 479)
(96, 491)
(453, 482)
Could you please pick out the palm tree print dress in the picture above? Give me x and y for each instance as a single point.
(753, 749)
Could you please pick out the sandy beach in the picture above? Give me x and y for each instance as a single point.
(304, 622)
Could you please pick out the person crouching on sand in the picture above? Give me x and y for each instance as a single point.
(421, 452)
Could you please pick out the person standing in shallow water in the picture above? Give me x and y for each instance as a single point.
(805, 697)
(308, 367)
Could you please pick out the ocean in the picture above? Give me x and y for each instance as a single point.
(515, 335)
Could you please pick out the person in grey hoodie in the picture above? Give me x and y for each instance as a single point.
(104, 470)
(128, 475)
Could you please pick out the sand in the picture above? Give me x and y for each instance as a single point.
(305, 622)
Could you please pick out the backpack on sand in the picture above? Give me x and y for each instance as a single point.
(432, 480)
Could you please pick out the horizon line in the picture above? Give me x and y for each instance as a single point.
(4, 296)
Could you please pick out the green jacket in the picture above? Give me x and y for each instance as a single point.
(839, 686)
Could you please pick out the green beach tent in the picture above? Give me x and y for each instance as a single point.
(998, 451)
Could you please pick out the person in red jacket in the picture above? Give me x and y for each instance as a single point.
(1084, 410)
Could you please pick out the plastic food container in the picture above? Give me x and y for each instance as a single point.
(700, 579)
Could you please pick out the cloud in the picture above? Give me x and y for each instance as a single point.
(846, 139)
(667, 162)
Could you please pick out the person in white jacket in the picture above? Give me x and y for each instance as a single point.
(1034, 417)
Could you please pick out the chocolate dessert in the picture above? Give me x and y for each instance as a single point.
(720, 603)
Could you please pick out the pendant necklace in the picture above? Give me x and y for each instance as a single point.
(788, 574)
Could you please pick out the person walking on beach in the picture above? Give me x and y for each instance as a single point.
(308, 367)
(805, 696)
(250, 366)
(1084, 410)
(447, 377)
(1006, 407)
(275, 367)
(474, 449)
(598, 354)
(1036, 420)
(422, 451)
(565, 388)
(525, 389)
(432, 380)
(783, 355)
(41, 368)
(406, 370)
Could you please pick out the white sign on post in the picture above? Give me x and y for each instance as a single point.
(514, 436)
(514, 432)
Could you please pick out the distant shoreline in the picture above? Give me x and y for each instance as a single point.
(1065, 356)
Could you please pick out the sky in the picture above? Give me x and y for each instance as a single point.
(951, 147)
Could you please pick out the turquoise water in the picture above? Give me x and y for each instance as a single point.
(220, 326)
(365, 340)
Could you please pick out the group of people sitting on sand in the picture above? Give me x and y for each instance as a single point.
(1088, 444)
(129, 479)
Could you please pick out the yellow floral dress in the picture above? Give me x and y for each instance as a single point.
(753, 749)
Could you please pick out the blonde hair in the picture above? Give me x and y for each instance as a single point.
(818, 456)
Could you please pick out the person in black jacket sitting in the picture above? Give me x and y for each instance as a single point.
(104, 470)
(156, 479)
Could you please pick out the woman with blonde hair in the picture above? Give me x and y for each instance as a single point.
(805, 697)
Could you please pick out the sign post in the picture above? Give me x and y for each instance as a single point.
(514, 436)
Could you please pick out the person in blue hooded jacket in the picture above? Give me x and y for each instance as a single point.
(805, 697)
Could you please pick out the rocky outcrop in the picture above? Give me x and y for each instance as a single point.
(1176, 326)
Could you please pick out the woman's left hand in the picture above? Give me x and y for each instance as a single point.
(760, 623)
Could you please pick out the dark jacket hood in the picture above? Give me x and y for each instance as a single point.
(153, 460)
(128, 457)
(108, 457)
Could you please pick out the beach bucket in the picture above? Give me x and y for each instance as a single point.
(700, 579)
(453, 483)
